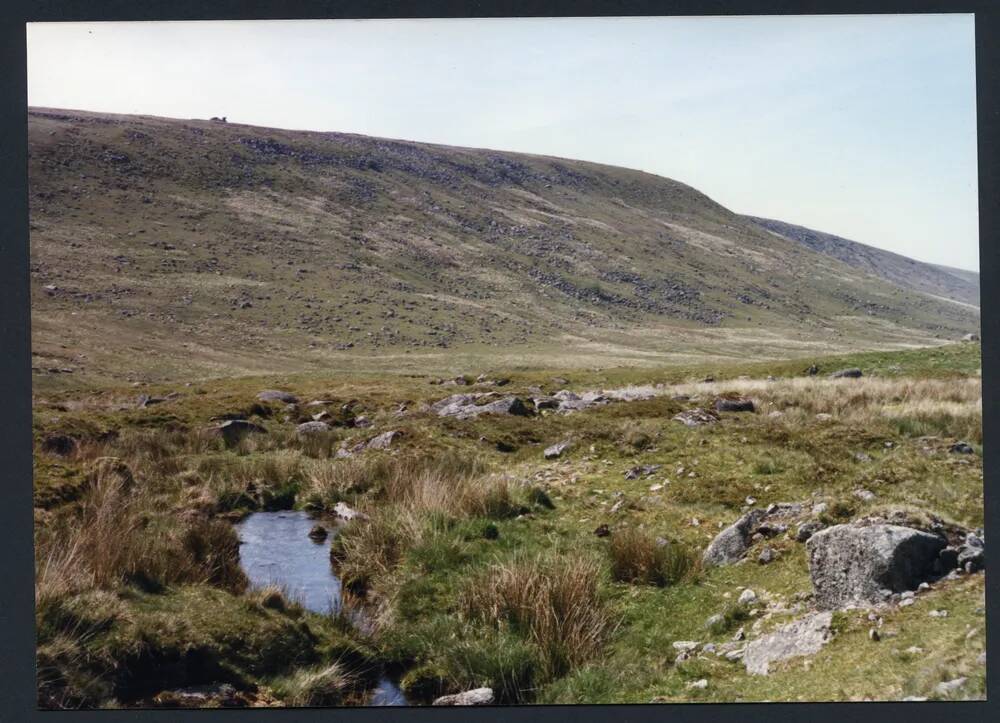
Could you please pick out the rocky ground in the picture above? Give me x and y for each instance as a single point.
(728, 532)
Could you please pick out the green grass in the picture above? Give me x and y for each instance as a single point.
(450, 513)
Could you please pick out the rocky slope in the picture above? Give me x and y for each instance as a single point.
(942, 281)
(165, 248)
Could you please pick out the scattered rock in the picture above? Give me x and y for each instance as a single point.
(852, 373)
(805, 636)
(747, 597)
(478, 696)
(961, 448)
(318, 533)
(851, 564)
(970, 337)
(698, 684)
(556, 450)
(696, 417)
(463, 406)
(602, 531)
(347, 512)
(275, 395)
(321, 416)
(864, 495)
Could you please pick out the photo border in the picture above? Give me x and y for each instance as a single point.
(17, 634)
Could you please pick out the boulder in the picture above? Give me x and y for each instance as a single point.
(463, 406)
(852, 373)
(853, 564)
(317, 533)
(807, 530)
(384, 440)
(341, 509)
(970, 337)
(275, 395)
(307, 428)
(477, 696)
(734, 405)
(233, 430)
(556, 450)
(805, 636)
(732, 543)
(961, 448)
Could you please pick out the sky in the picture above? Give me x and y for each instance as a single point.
(860, 126)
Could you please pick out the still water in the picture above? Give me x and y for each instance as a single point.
(276, 549)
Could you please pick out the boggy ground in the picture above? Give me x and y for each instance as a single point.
(477, 560)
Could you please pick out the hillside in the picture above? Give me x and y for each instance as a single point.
(942, 281)
(169, 249)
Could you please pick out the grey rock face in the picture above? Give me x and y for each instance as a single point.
(852, 373)
(274, 395)
(804, 636)
(478, 696)
(732, 543)
(851, 564)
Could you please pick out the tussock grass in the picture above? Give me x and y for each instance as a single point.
(317, 686)
(554, 601)
(117, 537)
(637, 557)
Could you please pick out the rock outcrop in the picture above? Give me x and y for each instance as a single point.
(804, 636)
(862, 564)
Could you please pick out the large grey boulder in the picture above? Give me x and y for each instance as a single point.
(732, 543)
(854, 564)
(478, 696)
(307, 428)
(804, 636)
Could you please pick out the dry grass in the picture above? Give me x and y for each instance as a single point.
(554, 601)
(639, 558)
(117, 536)
(319, 686)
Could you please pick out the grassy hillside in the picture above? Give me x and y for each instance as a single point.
(169, 250)
(939, 281)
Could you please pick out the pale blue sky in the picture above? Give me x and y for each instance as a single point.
(862, 126)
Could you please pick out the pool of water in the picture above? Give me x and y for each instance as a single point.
(275, 549)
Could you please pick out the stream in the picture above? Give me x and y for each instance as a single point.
(276, 549)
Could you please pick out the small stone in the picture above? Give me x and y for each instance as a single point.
(698, 684)
(740, 634)
(747, 597)
(873, 635)
(950, 686)
(767, 555)
(478, 696)
(938, 613)
(317, 533)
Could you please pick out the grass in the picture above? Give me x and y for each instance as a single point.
(481, 567)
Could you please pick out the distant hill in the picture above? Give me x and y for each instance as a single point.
(943, 281)
(178, 248)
